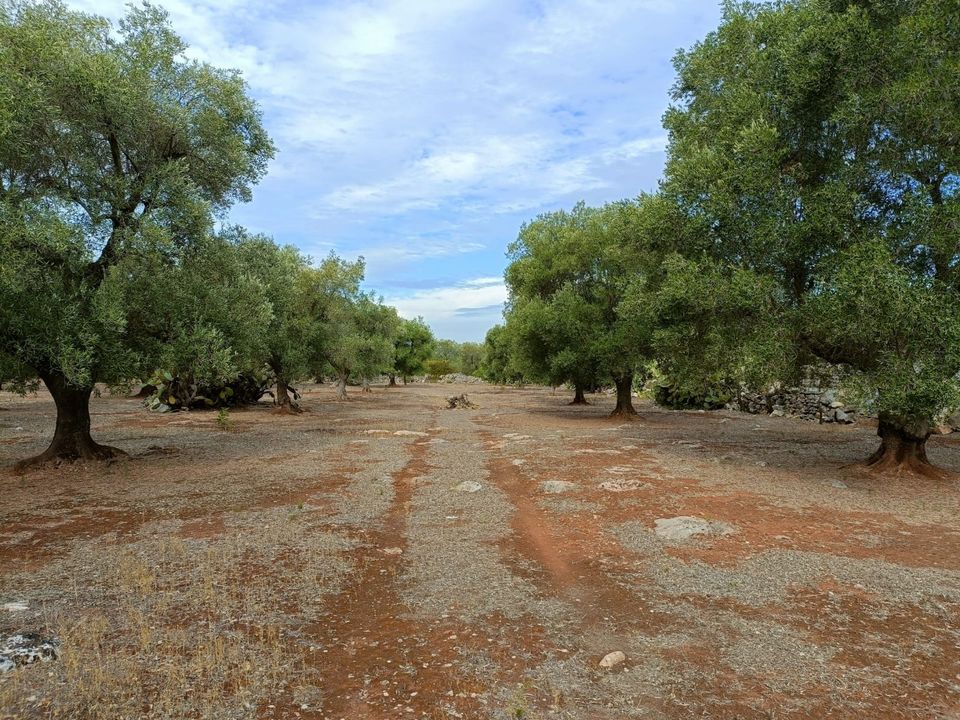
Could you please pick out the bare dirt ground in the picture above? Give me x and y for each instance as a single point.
(332, 565)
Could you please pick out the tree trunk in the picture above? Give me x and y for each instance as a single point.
(393, 381)
(71, 439)
(285, 403)
(404, 379)
(624, 406)
(365, 385)
(342, 387)
(578, 397)
(903, 446)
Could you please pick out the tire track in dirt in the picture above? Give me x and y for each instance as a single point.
(360, 640)
(572, 558)
(373, 659)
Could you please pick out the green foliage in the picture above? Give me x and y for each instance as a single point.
(904, 356)
(448, 350)
(287, 333)
(498, 357)
(471, 357)
(413, 346)
(355, 331)
(186, 314)
(569, 274)
(177, 393)
(115, 150)
(437, 367)
(223, 419)
(813, 167)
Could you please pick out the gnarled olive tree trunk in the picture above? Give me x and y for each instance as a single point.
(393, 381)
(624, 406)
(71, 438)
(285, 403)
(903, 445)
(578, 396)
(342, 386)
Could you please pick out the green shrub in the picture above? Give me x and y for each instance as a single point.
(436, 368)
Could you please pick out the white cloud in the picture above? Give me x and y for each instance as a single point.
(459, 312)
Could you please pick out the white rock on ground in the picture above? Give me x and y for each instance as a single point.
(16, 607)
(623, 485)
(685, 527)
(468, 486)
(612, 659)
(552, 487)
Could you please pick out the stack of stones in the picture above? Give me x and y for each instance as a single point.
(808, 402)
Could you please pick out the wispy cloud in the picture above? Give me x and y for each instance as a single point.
(462, 312)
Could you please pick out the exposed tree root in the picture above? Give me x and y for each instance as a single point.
(903, 453)
(61, 453)
(288, 409)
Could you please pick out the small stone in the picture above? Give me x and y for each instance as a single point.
(393, 551)
(612, 659)
(685, 527)
(468, 486)
(16, 607)
(836, 404)
(412, 433)
(839, 484)
(553, 487)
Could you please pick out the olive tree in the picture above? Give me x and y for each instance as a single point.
(570, 273)
(412, 347)
(813, 152)
(286, 335)
(498, 364)
(111, 143)
(359, 339)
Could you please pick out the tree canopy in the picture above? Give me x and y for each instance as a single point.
(569, 273)
(813, 156)
(412, 347)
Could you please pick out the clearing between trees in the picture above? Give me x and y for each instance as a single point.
(389, 557)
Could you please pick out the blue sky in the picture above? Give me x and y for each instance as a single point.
(422, 133)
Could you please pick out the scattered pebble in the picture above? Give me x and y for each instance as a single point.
(685, 527)
(468, 486)
(553, 487)
(623, 485)
(612, 659)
